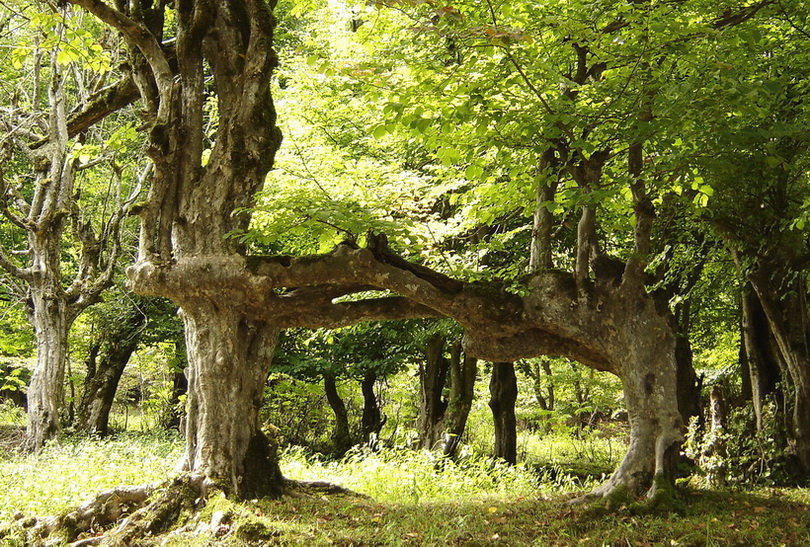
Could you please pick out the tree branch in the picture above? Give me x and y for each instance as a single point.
(110, 99)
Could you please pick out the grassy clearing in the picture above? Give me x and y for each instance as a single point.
(414, 500)
(708, 518)
(64, 475)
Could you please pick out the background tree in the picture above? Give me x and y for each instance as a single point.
(70, 224)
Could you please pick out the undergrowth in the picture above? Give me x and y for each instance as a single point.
(415, 498)
(65, 474)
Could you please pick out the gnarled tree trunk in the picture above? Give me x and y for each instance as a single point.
(49, 315)
(229, 359)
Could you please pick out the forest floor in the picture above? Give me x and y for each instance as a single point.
(408, 498)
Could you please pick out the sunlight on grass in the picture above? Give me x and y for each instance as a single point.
(402, 475)
(64, 475)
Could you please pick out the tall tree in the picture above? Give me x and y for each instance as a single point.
(45, 205)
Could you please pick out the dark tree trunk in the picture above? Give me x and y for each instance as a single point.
(688, 384)
(341, 436)
(105, 364)
(503, 391)
(372, 421)
(463, 371)
(432, 380)
(762, 359)
(785, 309)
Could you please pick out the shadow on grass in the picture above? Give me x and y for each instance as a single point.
(704, 518)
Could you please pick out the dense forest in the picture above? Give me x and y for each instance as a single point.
(404, 272)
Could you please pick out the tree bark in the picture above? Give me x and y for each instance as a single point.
(787, 316)
(463, 371)
(229, 359)
(503, 391)
(432, 380)
(762, 359)
(341, 436)
(49, 316)
(373, 420)
(106, 363)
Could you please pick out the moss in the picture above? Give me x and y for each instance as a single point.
(254, 530)
(664, 497)
(618, 497)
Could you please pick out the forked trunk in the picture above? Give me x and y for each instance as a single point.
(229, 357)
(51, 323)
(463, 371)
(503, 389)
(432, 379)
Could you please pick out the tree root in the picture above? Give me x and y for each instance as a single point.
(129, 515)
(119, 516)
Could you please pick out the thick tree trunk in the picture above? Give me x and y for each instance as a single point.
(650, 394)
(373, 421)
(49, 315)
(432, 380)
(789, 323)
(503, 391)
(105, 365)
(229, 357)
(341, 436)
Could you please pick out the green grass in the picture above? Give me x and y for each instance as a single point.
(415, 499)
(73, 471)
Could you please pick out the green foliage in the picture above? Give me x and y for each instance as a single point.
(742, 456)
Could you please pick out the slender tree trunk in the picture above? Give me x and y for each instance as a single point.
(763, 368)
(175, 414)
(373, 420)
(229, 358)
(106, 363)
(717, 447)
(341, 436)
(503, 391)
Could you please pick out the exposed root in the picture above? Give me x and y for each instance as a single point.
(90, 517)
(129, 515)
(119, 516)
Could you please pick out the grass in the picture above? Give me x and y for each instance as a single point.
(66, 474)
(415, 499)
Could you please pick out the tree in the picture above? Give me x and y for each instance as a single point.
(595, 142)
(447, 389)
(44, 206)
(365, 353)
(122, 327)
